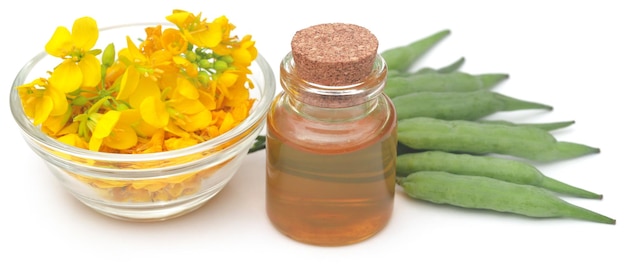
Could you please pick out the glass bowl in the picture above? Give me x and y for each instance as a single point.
(145, 187)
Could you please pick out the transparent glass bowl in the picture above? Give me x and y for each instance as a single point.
(145, 187)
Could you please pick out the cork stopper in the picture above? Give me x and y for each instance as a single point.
(334, 54)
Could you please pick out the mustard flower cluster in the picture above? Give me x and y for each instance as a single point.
(179, 86)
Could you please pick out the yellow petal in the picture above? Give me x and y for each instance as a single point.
(154, 144)
(176, 130)
(73, 140)
(72, 128)
(90, 67)
(240, 112)
(208, 100)
(59, 101)
(208, 36)
(187, 89)
(130, 79)
(133, 51)
(242, 56)
(225, 81)
(227, 123)
(106, 184)
(95, 143)
(214, 131)
(42, 109)
(67, 77)
(179, 18)
(178, 143)
(151, 186)
(224, 26)
(133, 117)
(228, 78)
(54, 124)
(60, 44)
(85, 33)
(154, 112)
(197, 121)
(105, 124)
(175, 190)
(238, 94)
(186, 106)
(174, 41)
(146, 87)
(123, 137)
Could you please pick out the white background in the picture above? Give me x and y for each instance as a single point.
(569, 54)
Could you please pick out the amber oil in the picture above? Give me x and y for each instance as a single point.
(331, 155)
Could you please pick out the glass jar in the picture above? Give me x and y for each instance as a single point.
(331, 153)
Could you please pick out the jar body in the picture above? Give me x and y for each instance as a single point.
(330, 168)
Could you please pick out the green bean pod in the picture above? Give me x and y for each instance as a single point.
(442, 82)
(401, 58)
(423, 133)
(550, 126)
(459, 105)
(453, 67)
(510, 170)
(259, 144)
(477, 192)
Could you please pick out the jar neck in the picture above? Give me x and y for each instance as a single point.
(354, 96)
(333, 115)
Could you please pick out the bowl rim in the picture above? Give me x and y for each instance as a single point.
(27, 128)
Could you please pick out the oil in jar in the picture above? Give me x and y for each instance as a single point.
(331, 142)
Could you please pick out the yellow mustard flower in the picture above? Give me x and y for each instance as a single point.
(244, 52)
(173, 41)
(225, 81)
(154, 112)
(40, 100)
(112, 130)
(224, 47)
(79, 67)
(59, 125)
(103, 127)
(137, 65)
(181, 18)
(184, 98)
(197, 30)
(152, 42)
(188, 67)
(141, 127)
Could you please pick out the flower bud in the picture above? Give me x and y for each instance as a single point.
(191, 56)
(204, 77)
(205, 64)
(228, 59)
(108, 56)
(220, 65)
(80, 100)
